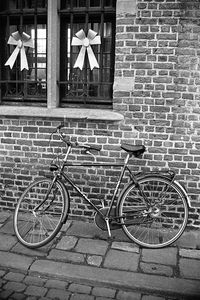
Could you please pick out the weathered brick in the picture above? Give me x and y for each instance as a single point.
(189, 268)
(117, 260)
(79, 288)
(11, 276)
(66, 256)
(167, 256)
(91, 246)
(58, 294)
(103, 292)
(33, 290)
(156, 269)
(15, 286)
(34, 280)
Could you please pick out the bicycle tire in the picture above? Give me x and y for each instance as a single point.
(158, 220)
(35, 229)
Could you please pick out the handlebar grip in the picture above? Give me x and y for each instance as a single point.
(93, 147)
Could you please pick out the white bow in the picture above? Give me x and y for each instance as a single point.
(20, 40)
(81, 40)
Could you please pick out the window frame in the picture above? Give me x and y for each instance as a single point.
(53, 59)
(84, 97)
(20, 16)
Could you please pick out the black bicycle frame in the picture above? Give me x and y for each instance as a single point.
(75, 164)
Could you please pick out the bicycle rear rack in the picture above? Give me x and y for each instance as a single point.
(169, 174)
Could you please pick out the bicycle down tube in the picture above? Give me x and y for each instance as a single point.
(123, 166)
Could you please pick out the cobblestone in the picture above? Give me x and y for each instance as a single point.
(18, 296)
(18, 277)
(150, 297)
(92, 268)
(188, 240)
(166, 256)
(94, 260)
(58, 294)
(51, 283)
(79, 288)
(2, 273)
(15, 286)
(92, 246)
(81, 297)
(190, 253)
(34, 290)
(156, 269)
(67, 243)
(128, 296)
(103, 292)
(40, 252)
(125, 247)
(15, 261)
(66, 256)
(34, 280)
(190, 268)
(7, 242)
(7, 228)
(117, 260)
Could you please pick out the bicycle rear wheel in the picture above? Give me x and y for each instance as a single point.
(37, 220)
(155, 217)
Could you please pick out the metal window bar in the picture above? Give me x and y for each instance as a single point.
(87, 87)
(15, 85)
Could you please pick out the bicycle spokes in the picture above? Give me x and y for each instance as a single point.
(39, 213)
(157, 222)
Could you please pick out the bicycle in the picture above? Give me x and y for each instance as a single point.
(152, 209)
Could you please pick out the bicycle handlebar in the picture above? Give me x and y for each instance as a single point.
(87, 147)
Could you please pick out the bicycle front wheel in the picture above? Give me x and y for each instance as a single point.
(154, 214)
(39, 213)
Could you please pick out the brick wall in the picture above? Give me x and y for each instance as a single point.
(25, 153)
(157, 80)
(158, 53)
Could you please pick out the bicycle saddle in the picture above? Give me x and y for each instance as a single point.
(136, 150)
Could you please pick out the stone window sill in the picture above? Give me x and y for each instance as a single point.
(60, 113)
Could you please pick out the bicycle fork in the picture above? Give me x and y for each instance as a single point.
(46, 197)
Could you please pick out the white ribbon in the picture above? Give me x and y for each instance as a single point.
(81, 40)
(21, 41)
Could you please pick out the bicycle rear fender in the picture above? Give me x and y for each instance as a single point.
(183, 189)
(169, 175)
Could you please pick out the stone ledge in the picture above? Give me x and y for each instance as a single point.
(61, 113)
(116, 278)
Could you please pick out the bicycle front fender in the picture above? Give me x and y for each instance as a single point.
(67, 201)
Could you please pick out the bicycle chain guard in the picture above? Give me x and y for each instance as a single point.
(100, 221)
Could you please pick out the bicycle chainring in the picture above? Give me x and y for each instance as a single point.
(101, 223)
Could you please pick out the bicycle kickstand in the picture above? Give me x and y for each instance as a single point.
(108, 227)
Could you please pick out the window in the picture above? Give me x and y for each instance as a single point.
(50, 78)
(16, 85)
(87, 87)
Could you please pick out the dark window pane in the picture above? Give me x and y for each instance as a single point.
(24, 85)
(85, 86)
(94, 3)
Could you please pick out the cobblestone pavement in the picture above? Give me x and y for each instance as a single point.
(81, 263)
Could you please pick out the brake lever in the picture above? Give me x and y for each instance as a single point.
(87, 151)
